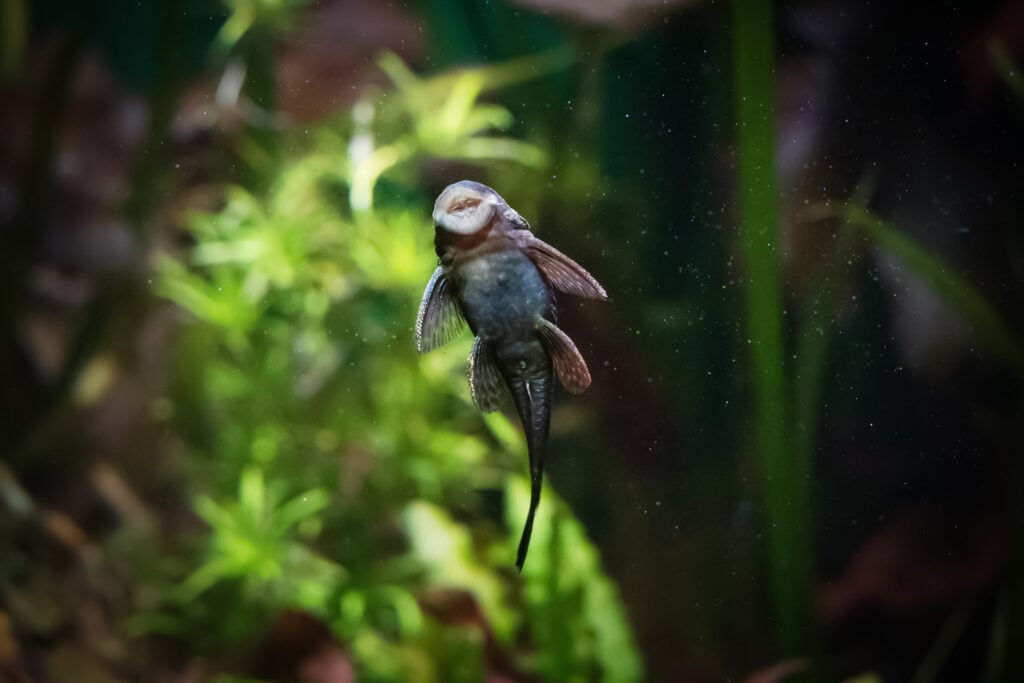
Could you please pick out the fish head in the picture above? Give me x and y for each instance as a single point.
(466, 207)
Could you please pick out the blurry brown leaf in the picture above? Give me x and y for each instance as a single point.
(9, 653)
(41, 605)
(451, 606)
(353, 469)
(12, 667)
(777, 672)
(327, 665)
(294, 638)
(70, 662)
(120, 496)
(331, 53)
(459, 608)
(65, 530)
(914, 563)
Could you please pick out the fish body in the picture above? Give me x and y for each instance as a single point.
(501, 293)
(495, 275)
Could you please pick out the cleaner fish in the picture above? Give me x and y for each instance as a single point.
(495, 275)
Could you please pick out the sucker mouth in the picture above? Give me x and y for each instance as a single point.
(464, 208)
(463, 204)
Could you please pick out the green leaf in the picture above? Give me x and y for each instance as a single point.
(992, 330)
(446, 550)
(300, 508)
(562, 576)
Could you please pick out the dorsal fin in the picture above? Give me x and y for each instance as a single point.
(569, 366)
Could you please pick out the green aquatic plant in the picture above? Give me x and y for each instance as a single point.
(1007, 69)
(337, 471)
(443, 118)
(582, 631)
(244, 15)
(255, 540)
(995, 333)
(992, 330)
(784, 470)
(14, 27)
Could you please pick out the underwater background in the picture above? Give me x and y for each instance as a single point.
(222, 459)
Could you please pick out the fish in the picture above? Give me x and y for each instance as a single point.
(496, 276)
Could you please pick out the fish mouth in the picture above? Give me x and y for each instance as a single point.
(463, 203)
(463, 209)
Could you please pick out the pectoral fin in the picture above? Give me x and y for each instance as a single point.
(440, 317)
(485, 383)
(561, 272)
(569, 366)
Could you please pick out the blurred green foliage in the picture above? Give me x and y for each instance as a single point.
(14, 29)
(339, 472)
(444, 120)
(244, 15)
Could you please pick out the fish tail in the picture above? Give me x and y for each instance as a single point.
(533, 401)
(524, 539)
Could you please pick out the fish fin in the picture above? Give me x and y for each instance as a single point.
(440, 317)
(561, 272)
(533, 401)
(570, 368)
(524, 538)
(485, 383)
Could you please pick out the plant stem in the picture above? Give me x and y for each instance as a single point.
(783, 470)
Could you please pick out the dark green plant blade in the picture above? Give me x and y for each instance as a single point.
(783, 468)
(989, 326)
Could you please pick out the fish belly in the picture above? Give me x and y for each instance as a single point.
(503, 294)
